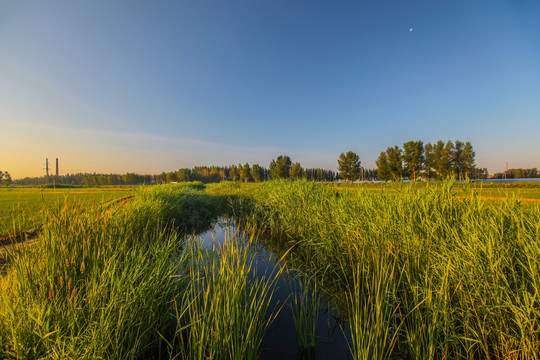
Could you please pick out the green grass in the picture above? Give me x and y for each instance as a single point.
(305, 304)
(25, 208)
(523, 190)
(121, 282)
(227, 303)
(434, 272)
(417, 271)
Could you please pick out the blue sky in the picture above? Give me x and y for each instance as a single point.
(117, 86)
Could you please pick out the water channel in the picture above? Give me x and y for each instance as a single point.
(280, 341)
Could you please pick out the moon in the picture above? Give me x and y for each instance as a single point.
(410, 29)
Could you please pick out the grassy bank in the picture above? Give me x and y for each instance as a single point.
(121, 282)
(437, 273)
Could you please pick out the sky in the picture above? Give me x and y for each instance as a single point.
(146, 87)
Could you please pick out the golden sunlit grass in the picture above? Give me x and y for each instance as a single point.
(24, 208)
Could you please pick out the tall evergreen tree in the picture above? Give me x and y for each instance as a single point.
(413, 158)
(349, 166)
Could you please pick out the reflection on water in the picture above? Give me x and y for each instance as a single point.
(280, 341)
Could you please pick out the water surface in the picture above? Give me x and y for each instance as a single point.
(280, 341)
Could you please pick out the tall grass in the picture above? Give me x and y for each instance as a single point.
(227, 301)
(93, 286)
(463, 281)
(305, 304)
(418, 272)
(120, 282)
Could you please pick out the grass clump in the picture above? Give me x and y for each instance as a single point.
(305, 304)
(92, 287)
(180, 205)
(227, 301)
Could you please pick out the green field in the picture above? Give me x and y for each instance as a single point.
(491, 191)
(24, 208)
(413, 271)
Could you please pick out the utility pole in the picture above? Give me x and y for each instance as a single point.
(56, 167)
(505, 171)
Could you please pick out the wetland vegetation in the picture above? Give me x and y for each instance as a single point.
(409, 271)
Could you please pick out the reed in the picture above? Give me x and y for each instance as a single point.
(93, 286)
(228, 302)
(463, 277)
(117, 282)
(305, 304)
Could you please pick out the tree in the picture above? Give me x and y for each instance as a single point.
(5, 178)
(395, 165)
(183, 174)
(457, 159)
(383, 169)
(214, 174)
(280, 167)
(172, 177)
(296, 171)
(468, 156)
(256, 173)
(234, 173)
(349, 166)
(245, 172)
(162, 178)
(429, 162)
(480, 173)
(413, 158)
(443, 158)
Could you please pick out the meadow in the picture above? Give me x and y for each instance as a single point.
(412, 271)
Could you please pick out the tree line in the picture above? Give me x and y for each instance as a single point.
(280, 168)
(414, 161)
(518, 174)
(437, 161)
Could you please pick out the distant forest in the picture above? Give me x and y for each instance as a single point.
(518, 174)
(282, 168)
